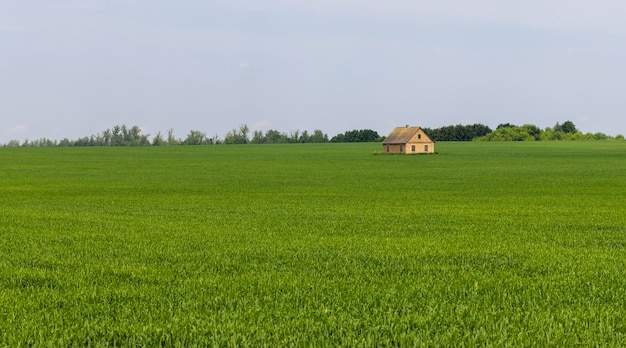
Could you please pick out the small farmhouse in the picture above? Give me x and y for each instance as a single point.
(408, 140)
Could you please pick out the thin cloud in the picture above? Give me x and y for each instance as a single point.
(17, 130)
(261, 125)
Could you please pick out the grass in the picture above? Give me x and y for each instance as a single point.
(500, 244)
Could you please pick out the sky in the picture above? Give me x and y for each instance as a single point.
(73, 68)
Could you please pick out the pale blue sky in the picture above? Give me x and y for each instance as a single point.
(73, 68)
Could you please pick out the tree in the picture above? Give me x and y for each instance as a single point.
(319, 137)
(305, 137)
(458, 132)
(13, 143)
(135, 138)
(273, 136)
(257, 137)
(158, 140)
(357, 136)
(569, 127)
(171, 139)
(237, 136)
(599, 136)
(107, 135)
(512, 133)
(533, 131)
(506, 125)
(195, 137)
(243, 132)
(117, 136)
(294, 136)
(566, 127)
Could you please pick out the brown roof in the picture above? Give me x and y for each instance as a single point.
(401, 135)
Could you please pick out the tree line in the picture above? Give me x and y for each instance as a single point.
(510, 132)
(121, 135)
(457, 132)
(528, 132)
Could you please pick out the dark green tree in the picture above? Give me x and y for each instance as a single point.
(357, 136)
(458, 132)
(506, 125)
(566, 127)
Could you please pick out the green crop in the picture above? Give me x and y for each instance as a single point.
(500, 244)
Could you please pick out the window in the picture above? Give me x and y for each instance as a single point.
(425, 148)
(419, 136)
(413, 148)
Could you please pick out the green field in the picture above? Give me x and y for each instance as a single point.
(520, 244)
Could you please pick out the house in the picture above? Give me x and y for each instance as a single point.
(408, 140)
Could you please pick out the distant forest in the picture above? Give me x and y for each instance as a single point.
(121, 135)
(510, 132)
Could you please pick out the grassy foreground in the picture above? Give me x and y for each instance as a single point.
(317, 244)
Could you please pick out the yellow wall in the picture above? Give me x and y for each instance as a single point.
(391, 148)
(419, 148)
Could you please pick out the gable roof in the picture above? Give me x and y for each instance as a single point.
(402, 135)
